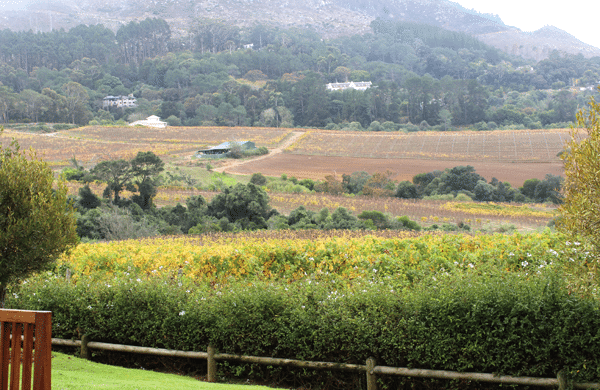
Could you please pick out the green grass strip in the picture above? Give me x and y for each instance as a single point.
(70, 373)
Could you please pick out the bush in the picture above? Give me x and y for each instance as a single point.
(404, 222)
(256, 152)
(63, 126)
(462, 197)
(379, 220)
(507, 325)
(580, 218)
(332, 126)
(258, 179)
(408, 127)
(172, 120)
(308, 183)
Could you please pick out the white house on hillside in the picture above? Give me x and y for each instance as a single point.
(119, 101)
(151, 121)
(358, 85)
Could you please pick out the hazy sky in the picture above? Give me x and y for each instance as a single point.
(579, 18)
(13, 4)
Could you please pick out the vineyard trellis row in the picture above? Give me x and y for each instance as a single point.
(501, 145)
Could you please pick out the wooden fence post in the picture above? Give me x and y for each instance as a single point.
(371, 378)
(85, 351)
(562, 380)
(212, 365)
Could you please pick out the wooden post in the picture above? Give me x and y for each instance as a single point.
(371, 378)
(562, 380)
(42, 376)
(212, 365)
(85, 351)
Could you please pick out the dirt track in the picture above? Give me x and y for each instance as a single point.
(230, 166)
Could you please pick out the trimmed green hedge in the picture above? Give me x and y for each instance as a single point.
(504, 324)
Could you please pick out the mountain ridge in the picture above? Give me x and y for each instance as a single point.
(330, 18)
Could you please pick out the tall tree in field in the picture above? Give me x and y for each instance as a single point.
(7, 101)
(146, 166)
(57, 107)
(117, 174)
(76, 99)
(37, 223)
(34, 104)
(121, 175)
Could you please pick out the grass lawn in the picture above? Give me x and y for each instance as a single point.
(69, 372)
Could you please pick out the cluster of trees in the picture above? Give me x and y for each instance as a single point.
(422, 76)
(241, 207)
(460, 180)
(246, 207)
(464, 180)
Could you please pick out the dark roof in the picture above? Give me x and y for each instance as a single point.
(227, 145)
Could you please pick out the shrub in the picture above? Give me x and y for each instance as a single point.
(172, 120)
(406, 223)
(501, 323)
(379, 220)
(463, 197)
(580, 218)
(62, 126)
(258, 179)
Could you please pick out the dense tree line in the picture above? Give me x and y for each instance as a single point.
(422, 77)
(246, 207)
(460, 180)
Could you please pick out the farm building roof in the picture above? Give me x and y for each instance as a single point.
(228, 145)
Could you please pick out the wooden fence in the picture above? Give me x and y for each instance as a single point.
(25, 338)
(369, 368)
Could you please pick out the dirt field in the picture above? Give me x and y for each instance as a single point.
(500, 145)
(511, 156)
(317, 167)
(92, 144)
(201, 136)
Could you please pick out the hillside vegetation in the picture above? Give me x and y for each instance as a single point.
(423, 78)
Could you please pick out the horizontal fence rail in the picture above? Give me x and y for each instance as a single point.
(370, 368)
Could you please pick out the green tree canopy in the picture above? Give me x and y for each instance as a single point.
(120, 175)
(247, 205)
(37, 223)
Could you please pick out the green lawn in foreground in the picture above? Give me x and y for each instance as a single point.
(69, 372)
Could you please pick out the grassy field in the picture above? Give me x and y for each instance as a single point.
(71, 373)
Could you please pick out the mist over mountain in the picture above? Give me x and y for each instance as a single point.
(330, 18)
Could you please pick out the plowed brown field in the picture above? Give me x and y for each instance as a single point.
(509, 155)
(317, 167)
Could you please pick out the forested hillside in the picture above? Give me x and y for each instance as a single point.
(423, 77)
